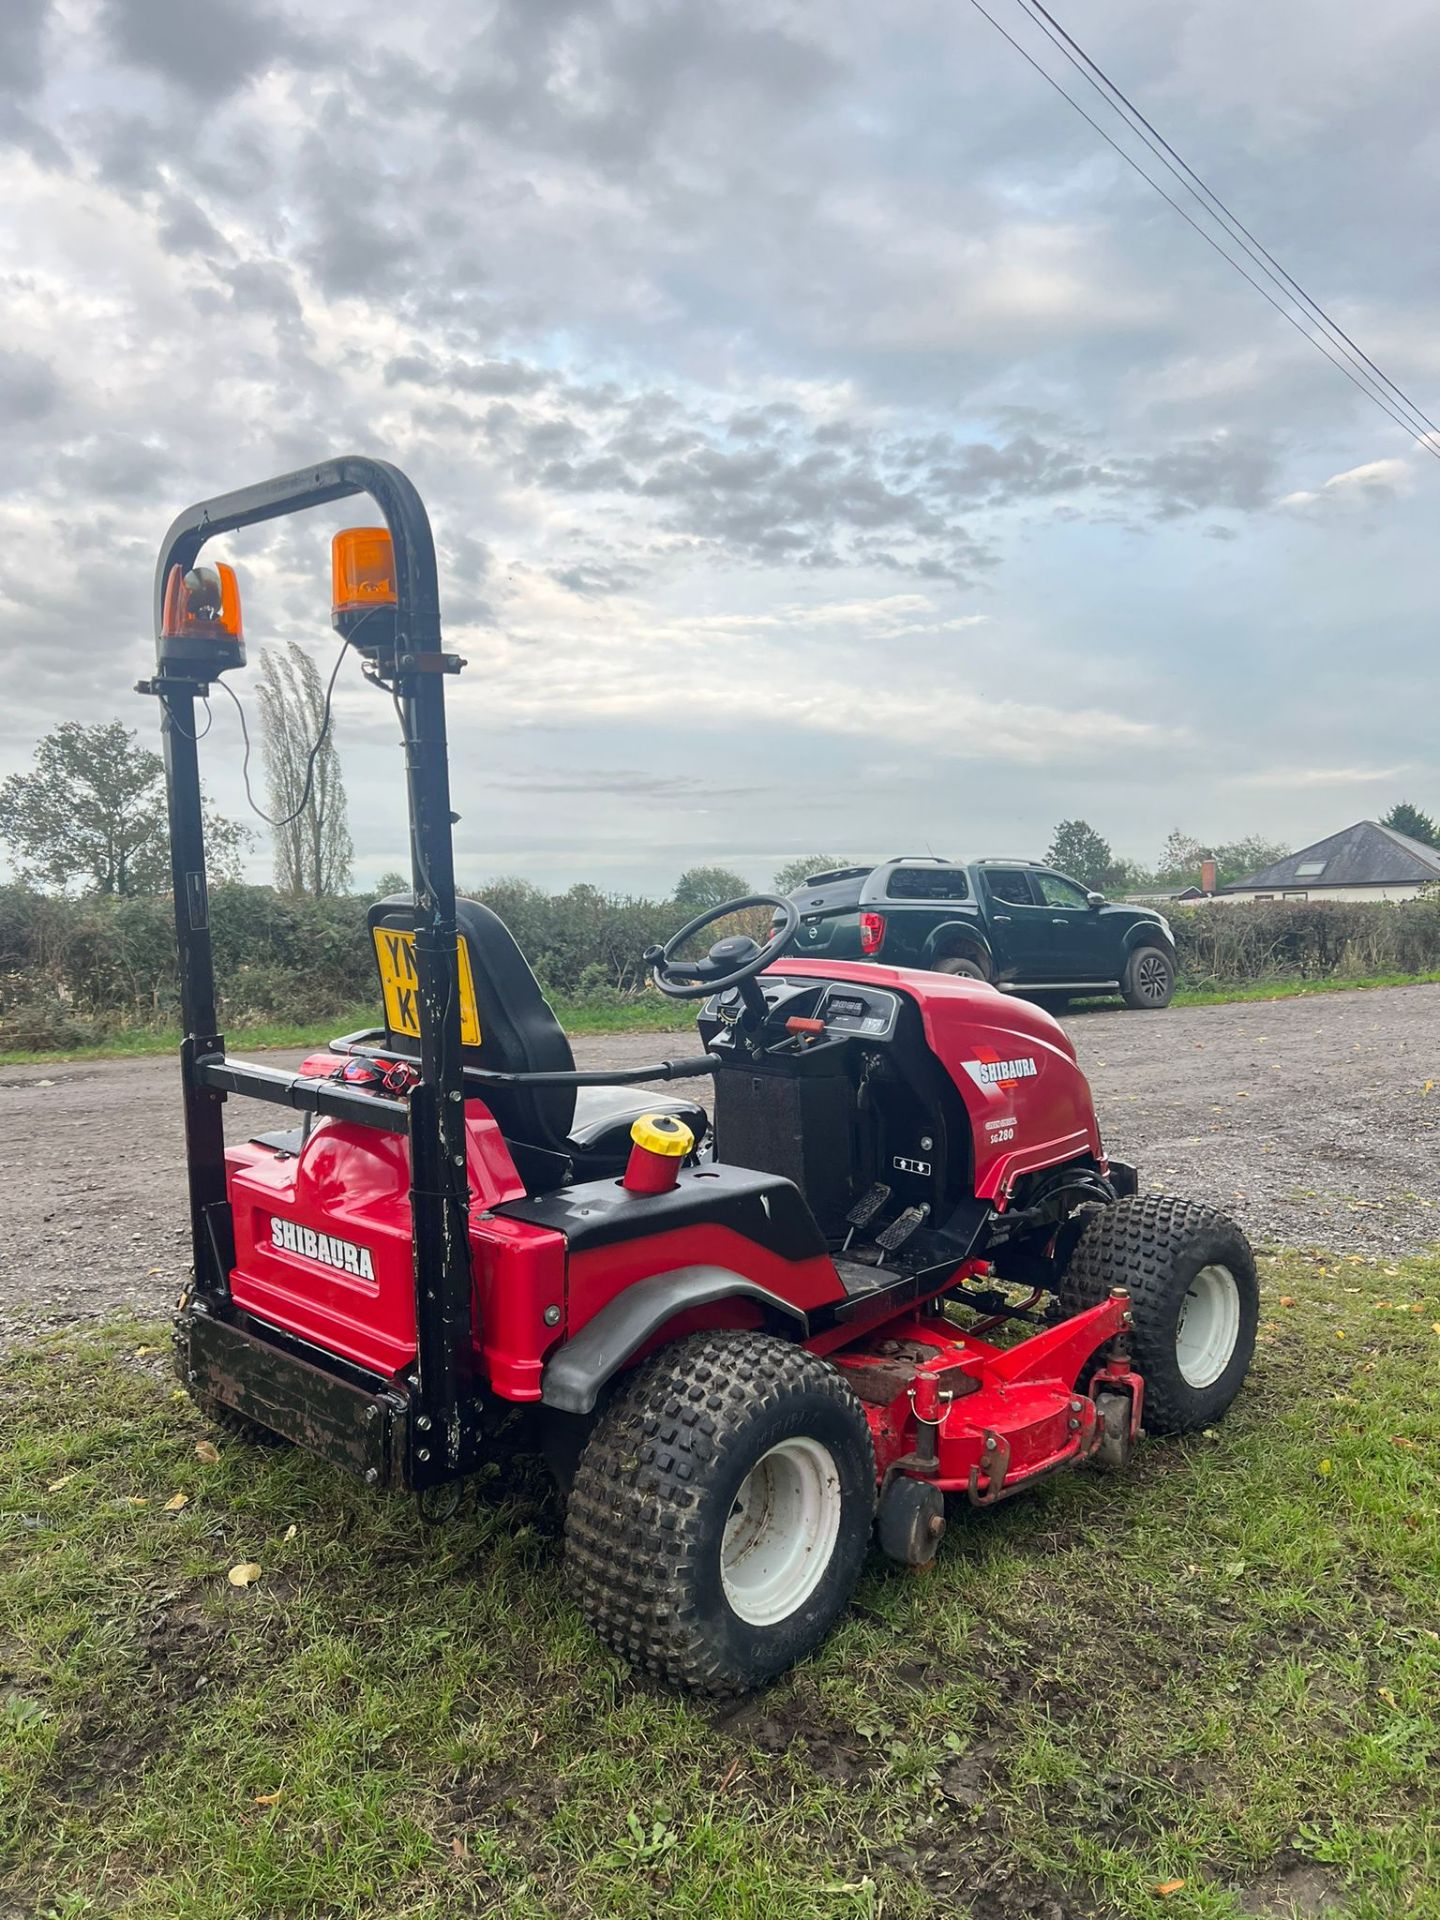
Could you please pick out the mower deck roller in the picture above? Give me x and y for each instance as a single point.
(751, 1334)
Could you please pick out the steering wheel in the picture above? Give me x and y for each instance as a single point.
(730, 962)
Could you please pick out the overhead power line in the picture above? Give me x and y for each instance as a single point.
(1376, 386)
(1199, 190)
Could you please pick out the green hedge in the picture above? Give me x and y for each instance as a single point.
(72, 971)
(1237, 943)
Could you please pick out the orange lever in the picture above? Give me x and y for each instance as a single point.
(797, 1023)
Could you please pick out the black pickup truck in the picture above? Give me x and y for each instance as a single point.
(1021, 926)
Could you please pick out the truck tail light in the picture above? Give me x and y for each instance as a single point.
(872, 932)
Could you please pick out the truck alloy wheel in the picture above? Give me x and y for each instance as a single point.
(722, 1510)
(1194, 1298)
(1149, 980)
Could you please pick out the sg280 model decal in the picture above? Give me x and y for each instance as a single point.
(288, 1236)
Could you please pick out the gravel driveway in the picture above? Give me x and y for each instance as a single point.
(1307, 1119)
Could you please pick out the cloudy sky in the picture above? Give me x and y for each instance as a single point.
(831, 444)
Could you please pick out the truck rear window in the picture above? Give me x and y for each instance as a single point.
(927, 883)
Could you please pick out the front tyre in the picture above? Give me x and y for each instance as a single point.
(1149, 982)
(722, 1510)
(1194, 1299)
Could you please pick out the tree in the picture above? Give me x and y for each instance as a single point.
(795, 873)
(1085, 855)
(1238, 859)
(1180, 859)
(93, 811)
(701, 887)
(1410, 820)
(313, 847)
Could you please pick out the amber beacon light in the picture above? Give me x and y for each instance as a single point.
(363, 596)
(200, 626)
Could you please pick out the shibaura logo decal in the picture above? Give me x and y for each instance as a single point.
(288, 1236)
(991, 1071)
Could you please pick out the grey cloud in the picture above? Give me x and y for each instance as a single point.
(208, 49)
(466, 376)
(29, 388)
(187, 228)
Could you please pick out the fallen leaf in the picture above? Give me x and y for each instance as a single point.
(1287, 1299)
(1435, 1326)
(1166, 1887)
(63, 1481)
(137, 1500)
(245, 1574)
(1429, 1087)
(457, 1846)
(268, 1799)
(291, 1531)
(1327, 1466)
(140, 1352)
(207, 1451)
(176, 1502)
(1386, 1695)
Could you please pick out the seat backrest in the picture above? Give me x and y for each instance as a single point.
(518, 1030)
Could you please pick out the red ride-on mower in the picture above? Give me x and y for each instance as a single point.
(743, 1351)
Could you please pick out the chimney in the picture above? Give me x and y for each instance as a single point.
(1209, 877)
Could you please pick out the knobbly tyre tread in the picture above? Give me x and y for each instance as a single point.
(1147, 1243)
(638, 1509)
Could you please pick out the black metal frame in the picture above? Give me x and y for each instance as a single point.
(443, 1402)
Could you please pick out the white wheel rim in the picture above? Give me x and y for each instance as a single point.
(781, 1532)
(1209, 1326)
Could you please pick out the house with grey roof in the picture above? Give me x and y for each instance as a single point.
(1363, 862)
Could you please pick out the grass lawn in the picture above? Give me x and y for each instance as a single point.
(1221, 1670)
(650, 1013)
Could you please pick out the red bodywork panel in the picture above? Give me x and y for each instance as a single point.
(352, 1288)
(1039, 1114)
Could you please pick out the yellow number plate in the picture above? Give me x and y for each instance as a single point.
(395, 951)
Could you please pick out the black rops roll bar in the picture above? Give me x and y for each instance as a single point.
(439, 1196)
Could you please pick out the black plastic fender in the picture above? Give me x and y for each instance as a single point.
(577, 1371)
(964, 932)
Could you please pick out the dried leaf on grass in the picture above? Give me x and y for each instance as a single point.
(207, 1451)
(176, 1502)
(245, 1574)
(268, 1799)
(1166, 1887)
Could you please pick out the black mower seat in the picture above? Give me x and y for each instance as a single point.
(587, 1127)
(605, 1115)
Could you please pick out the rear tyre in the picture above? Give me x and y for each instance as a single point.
(1149, 982)
(965, 968)
(1194, 1297)
(722, 1510)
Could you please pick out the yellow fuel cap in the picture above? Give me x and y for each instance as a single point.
(663, 1133)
